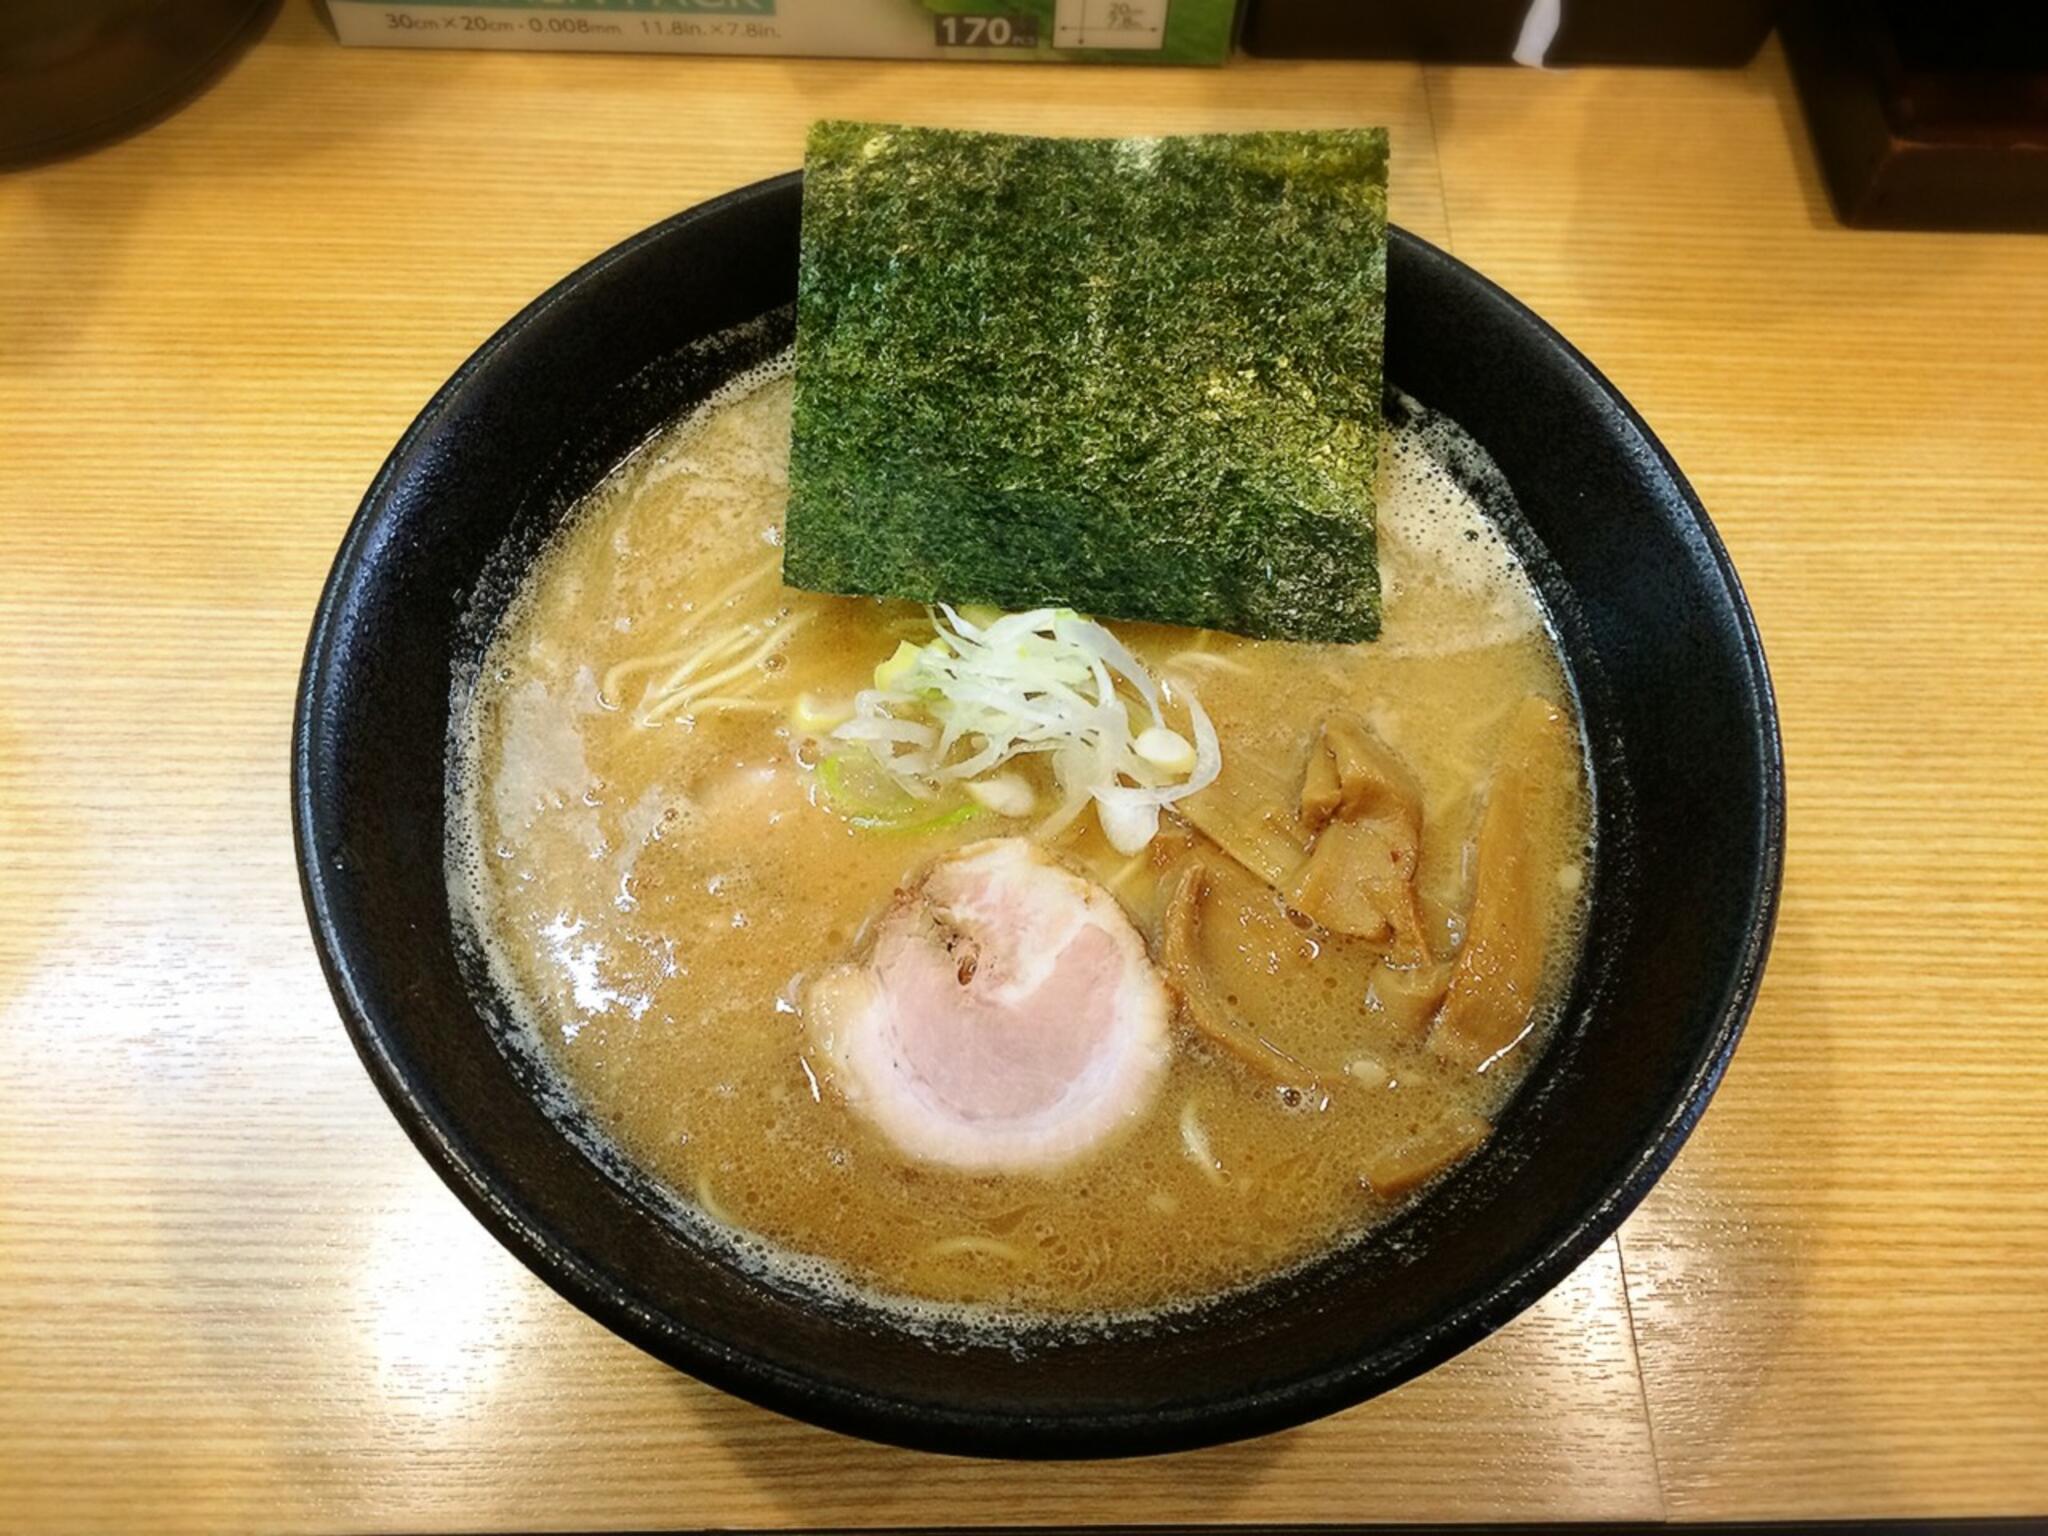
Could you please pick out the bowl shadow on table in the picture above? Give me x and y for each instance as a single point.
(1720, 1274)
(1545, 1417)
(814, 1475)
(81, 217)
(60, 223)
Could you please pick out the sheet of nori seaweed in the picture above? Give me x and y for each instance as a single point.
(1137, 376)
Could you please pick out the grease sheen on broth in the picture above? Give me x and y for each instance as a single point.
(653, 898)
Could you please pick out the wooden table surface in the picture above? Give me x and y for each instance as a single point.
(231, 1296)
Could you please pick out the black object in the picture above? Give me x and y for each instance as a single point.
(1689, 786)
(76, 73)
(1697, 32)
(1926, 116)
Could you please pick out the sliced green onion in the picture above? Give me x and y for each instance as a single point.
(989, 687)
(815, 716)
(856, 787)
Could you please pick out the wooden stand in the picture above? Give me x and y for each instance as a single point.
(1926, 117)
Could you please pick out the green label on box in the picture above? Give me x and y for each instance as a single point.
(1156, 31)
(677, 7)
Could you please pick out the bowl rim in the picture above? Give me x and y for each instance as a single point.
(923, 1424)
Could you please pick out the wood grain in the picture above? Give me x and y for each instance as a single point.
(1834, 1290)
(231, 1297)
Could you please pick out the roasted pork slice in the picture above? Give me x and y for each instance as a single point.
(1007, 1019)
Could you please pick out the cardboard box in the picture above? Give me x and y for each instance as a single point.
(1053, 31)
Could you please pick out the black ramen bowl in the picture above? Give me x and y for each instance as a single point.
(1689, 802)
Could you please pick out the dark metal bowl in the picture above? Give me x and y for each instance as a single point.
(1690, 808)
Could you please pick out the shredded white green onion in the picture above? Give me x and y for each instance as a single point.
(957, 708)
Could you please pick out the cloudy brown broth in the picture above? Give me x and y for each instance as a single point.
(657, 881)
